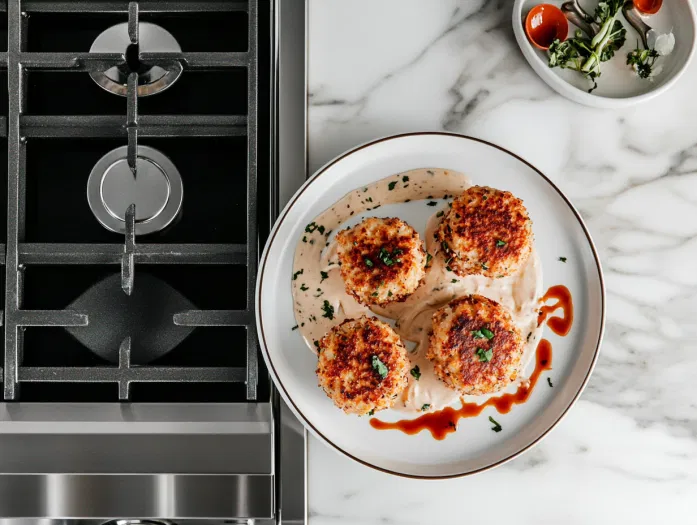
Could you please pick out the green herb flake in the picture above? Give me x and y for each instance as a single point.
(562, 259)
(484, 355)
(379, 367)
(425, 407)
(310, 228)
(477, 334)
(368, 262)
(374, 294)
(328, 310)
(304, 238)
(440, 213)
(431, 203)
(316, 343)
(405, 179)
(321, 229)
(295, 327)
(304, 288)
(428, 258)
(487, 333)
(484, 266)
(389, 293)
(528, 338)
(496, 427)
(549, 382)
(391, 185)
(501, 243)
(324, 276)
(416, 373)
(372, 412)
(430, 172)
(299, 272)
(453, 281)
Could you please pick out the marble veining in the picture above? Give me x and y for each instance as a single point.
(627, 452)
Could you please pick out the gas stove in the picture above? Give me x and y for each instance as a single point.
(149, 146)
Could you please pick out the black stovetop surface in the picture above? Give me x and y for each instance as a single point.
(212, 123)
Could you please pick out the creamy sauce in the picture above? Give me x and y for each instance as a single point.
(321, 302)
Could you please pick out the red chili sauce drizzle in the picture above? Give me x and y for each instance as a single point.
(558, 325)
(444, 422)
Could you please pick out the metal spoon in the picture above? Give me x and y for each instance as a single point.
(634, 18)
(576, 15)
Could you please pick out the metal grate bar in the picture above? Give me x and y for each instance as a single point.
(146, 6)
(213, 318)
(47, 318)
(40, 253)
(148, 126)
(16, 188)
(102, 61)
(252, 241)
(156, 374)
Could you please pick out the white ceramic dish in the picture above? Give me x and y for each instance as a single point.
(618, 86)
(559, 232)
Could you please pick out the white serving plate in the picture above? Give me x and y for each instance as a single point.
(559, 232)
(618, 86)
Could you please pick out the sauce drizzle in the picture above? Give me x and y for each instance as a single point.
(558, 325)
(444, 422)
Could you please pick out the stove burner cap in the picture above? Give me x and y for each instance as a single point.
(151, 78)
(156, 190)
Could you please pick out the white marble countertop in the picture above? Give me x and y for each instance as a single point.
(627, 452)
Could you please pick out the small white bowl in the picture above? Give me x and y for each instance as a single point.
(618, 85)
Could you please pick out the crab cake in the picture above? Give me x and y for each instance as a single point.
(382, 260)
(487, 231)
(475, 346)
(362, 366)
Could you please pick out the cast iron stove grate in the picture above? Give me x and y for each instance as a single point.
(205, 118)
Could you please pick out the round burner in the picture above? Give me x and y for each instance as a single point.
(156, 190)
(151, 78)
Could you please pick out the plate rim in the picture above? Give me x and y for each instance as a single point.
(278, 384)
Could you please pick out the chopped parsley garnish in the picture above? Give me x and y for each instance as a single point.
(431, 203)
(389, 293)
(528, 338)
(369, 199)
(379, 367)
(365, 189)
(316, 343)
(440, 213)
(484, 355)
(484, 266)
(487, 333)
(320, 292)
(549, 382)
(405, 179)
(500, 243)
(304, 238)
(453, 281)
(391, 185)
(372, 412)
(415, 372)
(428, 258)
(310, 228)
(324, 275)
(445, 247)
(562, 259)
(374, 294)
(430, 172)
(304, 288)
(389, 258)
(320, 229)
(299, 272)
(295, 327)
(425, 407)
(496, 427)
(328, 310)
(368, 262)
(449, 268)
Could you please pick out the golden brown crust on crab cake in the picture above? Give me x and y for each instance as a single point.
(475, 347)
(486, 231)
(382, 260)
(362, 365)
